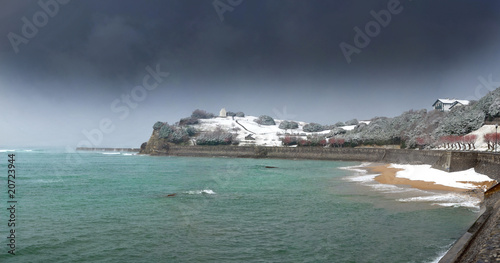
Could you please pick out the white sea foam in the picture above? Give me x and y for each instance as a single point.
(354, 168)
(389, 188)
(198, 192)
(441, 255)
(128, 154)
(112, 153)
(362, 178)
(45, 181)
(5, 150)
(449, 200)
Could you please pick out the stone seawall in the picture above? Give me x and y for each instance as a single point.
(489, 164)
(485, 163)
(316, 153)
(108, 149)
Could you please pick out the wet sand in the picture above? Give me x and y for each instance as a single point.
(387, 175)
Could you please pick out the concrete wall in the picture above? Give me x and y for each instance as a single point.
(485, 163)
(411, 156)
(489, 164)
(317, 153)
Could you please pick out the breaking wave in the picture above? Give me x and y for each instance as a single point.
(199, 192)
(448, 200)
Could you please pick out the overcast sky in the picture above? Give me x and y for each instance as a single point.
(70, 70)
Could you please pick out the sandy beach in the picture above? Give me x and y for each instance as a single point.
(387, 175)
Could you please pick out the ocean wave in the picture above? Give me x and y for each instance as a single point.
(44, 181)
(5, 150)
(355, 166)
(362, 178)
(128, 154)
(389, 188)
(441, 254)
(199, 192)
(112, 153)
(448, 200)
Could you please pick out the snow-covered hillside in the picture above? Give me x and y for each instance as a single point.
(264, 135)
(270, 135)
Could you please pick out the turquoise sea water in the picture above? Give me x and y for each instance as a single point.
(94, 207)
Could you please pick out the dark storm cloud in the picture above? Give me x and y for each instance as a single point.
(117, 39)
(263, 56)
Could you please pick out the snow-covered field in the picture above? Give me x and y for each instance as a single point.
(425, 173)
(264, 135)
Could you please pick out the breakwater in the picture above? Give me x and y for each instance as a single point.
(108, 149)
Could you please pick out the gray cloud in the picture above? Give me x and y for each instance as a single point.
(265, 55)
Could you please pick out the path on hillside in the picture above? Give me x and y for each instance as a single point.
(244, 127)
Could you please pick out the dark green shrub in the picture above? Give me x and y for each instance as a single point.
(339, 124)
(158, 125)
(265, 120)
(188, 121)
(191, 131)
(313, 127)
(288, 125)
(201, 114)
(352, 122)
(178, 135)
(217, 137)
(165, 131)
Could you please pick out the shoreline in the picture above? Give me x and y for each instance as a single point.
(388, 175)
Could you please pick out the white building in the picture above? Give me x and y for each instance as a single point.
(447, 104)
(223, 112)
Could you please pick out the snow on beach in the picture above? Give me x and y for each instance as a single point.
(406, 194)
(461, 179)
